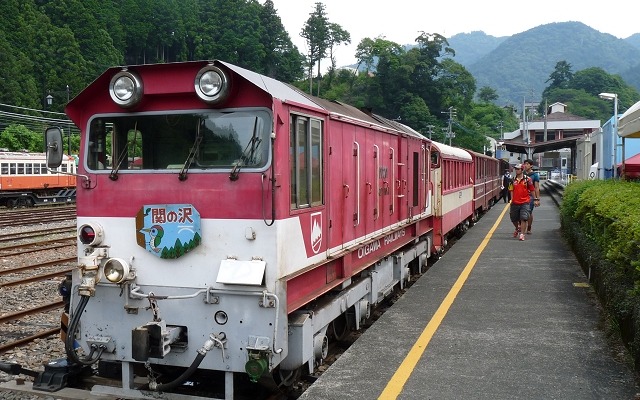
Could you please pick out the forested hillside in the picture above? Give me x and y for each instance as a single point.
(520, 66)
(470, 47)
(49, 45)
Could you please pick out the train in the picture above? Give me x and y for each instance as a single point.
(25, 180)
(231, 226)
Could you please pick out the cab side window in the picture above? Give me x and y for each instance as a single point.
(306, 160)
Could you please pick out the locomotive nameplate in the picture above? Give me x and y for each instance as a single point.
(168, 230)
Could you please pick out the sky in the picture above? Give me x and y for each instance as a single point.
(401, 21)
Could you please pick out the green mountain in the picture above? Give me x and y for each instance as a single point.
(519, 66)
(470, 47)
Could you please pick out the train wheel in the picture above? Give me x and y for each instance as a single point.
(286, 378)
(12, 203)
(340, 327)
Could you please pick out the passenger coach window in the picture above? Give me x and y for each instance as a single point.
(305, 154)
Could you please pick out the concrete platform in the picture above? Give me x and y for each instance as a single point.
(512, 320)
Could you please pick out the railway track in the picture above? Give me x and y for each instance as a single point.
(37, 216)
(37, 247)
(23, 249)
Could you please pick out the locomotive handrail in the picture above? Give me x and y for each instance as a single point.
(425, 177)
(376, 214)
(392, 154)
(135, 292)
(357, 151)
(86, 178)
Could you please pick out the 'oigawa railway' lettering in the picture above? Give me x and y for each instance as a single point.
(377, 245)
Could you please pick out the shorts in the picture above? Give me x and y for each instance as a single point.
(519, 212)
(532, 205)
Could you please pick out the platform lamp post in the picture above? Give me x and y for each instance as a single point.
(49, 102)
(614, 97)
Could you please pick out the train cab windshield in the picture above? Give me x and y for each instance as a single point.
(212, 140)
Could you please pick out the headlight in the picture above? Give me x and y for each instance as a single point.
(125, 89)
(115, 270)
(91, 234)
(212, 84)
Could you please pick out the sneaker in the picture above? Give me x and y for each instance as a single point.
(528, 231)
(521, 236)
(516, 233)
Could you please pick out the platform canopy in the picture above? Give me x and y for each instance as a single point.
(629, 123)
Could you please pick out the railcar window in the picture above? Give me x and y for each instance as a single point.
(435, 159)
(164, 142)
(4, 169)
(306, 161)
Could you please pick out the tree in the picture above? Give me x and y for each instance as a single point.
(316, 33)
(19, 138)
(580, 93)
(487, 94)
(429, 80)
(94, 45)
(337, 36)
(456, 85)
(594, 80)
(282, 59)
(561, 76)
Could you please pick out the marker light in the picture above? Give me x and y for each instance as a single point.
(125, 89)
(212, 84)
(115, 270)
(91, 234)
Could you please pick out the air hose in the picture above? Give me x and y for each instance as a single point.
(69, 340)
(182, 378)
(202, 352)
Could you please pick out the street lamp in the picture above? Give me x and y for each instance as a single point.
(49, 102)
(614, 130)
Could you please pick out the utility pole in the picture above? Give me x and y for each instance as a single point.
(500, 128)
(452, 113)
(430, 130)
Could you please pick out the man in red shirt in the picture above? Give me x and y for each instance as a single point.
(523, 190)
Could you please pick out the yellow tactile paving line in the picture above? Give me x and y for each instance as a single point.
(398, 380)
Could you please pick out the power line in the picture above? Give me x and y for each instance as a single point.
(35, 120)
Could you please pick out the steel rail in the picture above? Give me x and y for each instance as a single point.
(36, 278)
(36, 266)
(36, 310)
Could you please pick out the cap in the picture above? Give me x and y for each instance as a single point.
(518, 166)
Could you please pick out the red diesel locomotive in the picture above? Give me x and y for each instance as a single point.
(230, 225)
